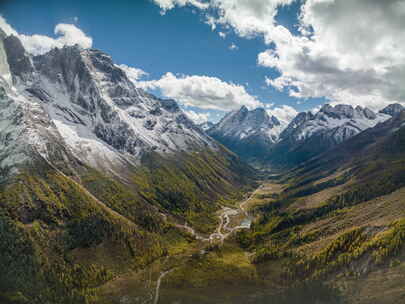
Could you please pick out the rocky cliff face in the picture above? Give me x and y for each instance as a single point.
(257, 136)
(393, 109)
(310, 134)
(337, 123)
(248, 133)
(80, 99)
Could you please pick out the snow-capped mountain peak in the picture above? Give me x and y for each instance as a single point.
(340, 122)
(5, 75)
(82, 98)
(312, 133)
(244, 123)
(393, 109)
(248, 132)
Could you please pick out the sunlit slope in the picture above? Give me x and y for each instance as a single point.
(340, 219)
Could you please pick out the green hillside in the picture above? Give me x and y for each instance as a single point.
(63, 236)
(339, 219)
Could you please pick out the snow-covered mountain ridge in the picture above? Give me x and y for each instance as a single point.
(311, 134)
(243, 123)
(249, 133)
(80, 99)
(393, 109)
(258, 136)
(338, 123)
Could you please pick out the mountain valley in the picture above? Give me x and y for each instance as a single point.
(95, 174)
(111, 195)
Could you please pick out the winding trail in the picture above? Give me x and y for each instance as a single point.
(224, 221)
(242, 205)
(225, 218)
(158, 284)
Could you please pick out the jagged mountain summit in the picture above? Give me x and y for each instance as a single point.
(73, 110)
(80, 98)
(248, 133)
(256, 136)
(310, 134)
(393, 109)
(337, 123)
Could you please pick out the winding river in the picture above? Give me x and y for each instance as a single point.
(221, 233)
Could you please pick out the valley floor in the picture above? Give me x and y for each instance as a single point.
(147, 285)
(234, 264)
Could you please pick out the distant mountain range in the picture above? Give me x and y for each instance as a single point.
(340, 216)
(256, 136)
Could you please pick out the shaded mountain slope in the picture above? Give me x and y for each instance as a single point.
(310, 135)
(94, 174)
(247, 133)
(340, 219)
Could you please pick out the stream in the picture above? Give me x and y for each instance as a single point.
(221, 233)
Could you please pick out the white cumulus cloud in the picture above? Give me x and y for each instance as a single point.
(347, 51)
(249, 17)
(350, 52)
(197, 118)
(233, 47)
(66, 34)
(71, 35)
(134, 74)
(203, 92)
(166, 5)
(283, 113)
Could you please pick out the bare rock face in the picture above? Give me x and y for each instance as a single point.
(256, 135)
(311, 134)
(18, 60)
(248, 133)
(393, 109)
(80, 99)
(337, 123)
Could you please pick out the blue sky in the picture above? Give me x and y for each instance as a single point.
(181, 42)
